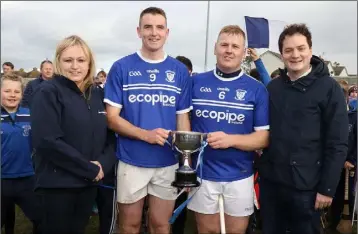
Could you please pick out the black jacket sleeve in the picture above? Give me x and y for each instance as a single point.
(108, 157)
(335, 133)
(27, 95)
(48, 135)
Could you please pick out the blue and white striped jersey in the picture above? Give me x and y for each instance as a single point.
(237, 105)
(150, 95)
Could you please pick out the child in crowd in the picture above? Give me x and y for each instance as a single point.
(17, 172)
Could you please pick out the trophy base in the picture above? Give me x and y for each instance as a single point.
(185, 177)
(185, 185)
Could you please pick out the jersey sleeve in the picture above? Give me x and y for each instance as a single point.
(184, 103)
(265, 77)
(113, 88)
(261, 112)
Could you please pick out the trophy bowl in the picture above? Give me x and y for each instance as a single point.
(186, 143)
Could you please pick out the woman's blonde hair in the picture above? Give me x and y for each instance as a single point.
(76, 41)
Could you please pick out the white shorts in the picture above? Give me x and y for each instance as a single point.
(238, 197)
(134, 183)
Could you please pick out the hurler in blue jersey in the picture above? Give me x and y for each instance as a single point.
(147, 93)
(232, 108)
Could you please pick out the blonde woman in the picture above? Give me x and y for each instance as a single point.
(74, 148)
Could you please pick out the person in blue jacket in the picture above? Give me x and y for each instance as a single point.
(46, 68)
(260, 73)
(17, 173)
(74, 147)
(352, 92)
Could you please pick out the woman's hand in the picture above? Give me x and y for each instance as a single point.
(100, 173)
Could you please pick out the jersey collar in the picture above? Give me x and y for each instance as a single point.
(151, 61)
(227, 77)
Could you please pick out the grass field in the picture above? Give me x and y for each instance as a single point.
(23, 225)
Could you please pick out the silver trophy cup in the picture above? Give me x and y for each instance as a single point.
(186, 143)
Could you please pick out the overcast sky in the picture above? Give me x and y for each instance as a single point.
(30, 31)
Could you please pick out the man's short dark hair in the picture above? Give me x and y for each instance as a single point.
(292, 29)
(186, 62)
(9, 64)
(45, 61)
(255, 74)
(153, 11)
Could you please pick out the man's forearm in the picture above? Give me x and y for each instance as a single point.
(183, 122)
(250, 142)
(124, 128)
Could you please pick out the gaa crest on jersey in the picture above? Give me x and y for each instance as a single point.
(170, 76)
(26, 129)
(240, 94)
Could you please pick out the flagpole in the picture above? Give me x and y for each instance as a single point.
(207, 38)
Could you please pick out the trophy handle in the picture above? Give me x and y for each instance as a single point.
(169, 141)
(172, 135)
(204, 137)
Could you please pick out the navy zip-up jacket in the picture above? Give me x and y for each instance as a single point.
(69, 131)
(29, 90)
(16, 144)
(308, 134)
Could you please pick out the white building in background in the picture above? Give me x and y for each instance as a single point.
(271, 60)
(340, 71)
(330, 67)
